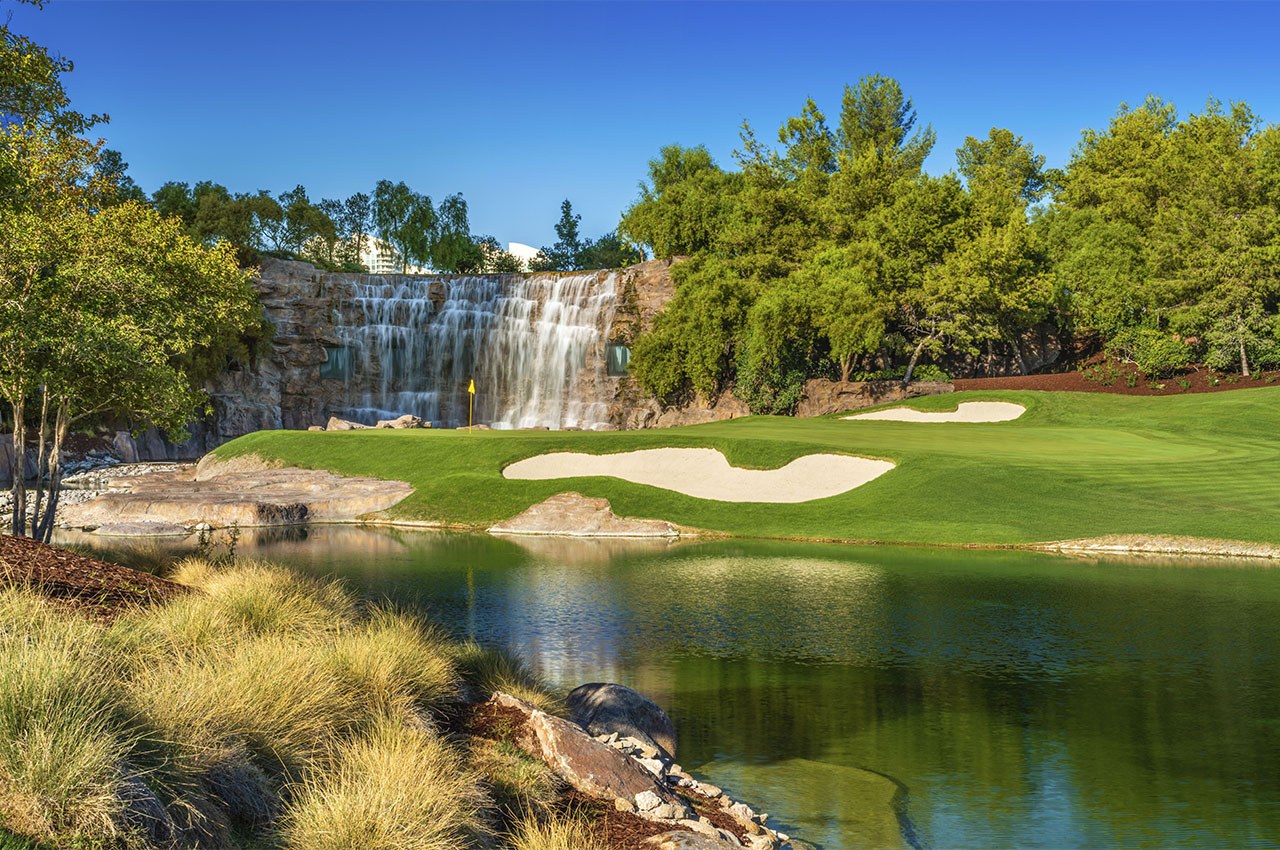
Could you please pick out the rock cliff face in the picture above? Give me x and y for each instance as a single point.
(301, 382)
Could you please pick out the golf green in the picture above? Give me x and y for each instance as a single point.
(1074, 465)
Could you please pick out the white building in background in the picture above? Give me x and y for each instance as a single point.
(379, 257)
(522, 252)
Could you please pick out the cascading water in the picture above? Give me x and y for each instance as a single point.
(533, 344)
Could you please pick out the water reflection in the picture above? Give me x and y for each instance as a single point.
(1019, 699)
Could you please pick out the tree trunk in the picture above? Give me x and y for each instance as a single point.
(846, 366)
(1244, 359)
(1017, 356)
(915, 357)
(44, 531)
(42, 460)
(19, 520)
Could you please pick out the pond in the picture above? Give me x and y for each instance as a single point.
(876, 696)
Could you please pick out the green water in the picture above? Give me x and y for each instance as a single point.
(891, 696)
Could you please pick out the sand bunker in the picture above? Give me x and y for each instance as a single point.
(968, 411)
(706, 474)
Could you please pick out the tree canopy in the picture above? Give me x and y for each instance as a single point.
(834, 254)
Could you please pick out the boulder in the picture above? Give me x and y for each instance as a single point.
(604, 708)
(575, 515)
(594, 768)
(336, 424)
(406, 421)
(124, 447)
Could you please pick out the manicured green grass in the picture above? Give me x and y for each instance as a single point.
(1074, 465)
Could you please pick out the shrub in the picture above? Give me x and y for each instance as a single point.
(399, 788)
(922, 372)
(62, 739)
(1155, 352)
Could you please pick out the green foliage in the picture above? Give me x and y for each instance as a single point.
(1156, 353)
(695, 340)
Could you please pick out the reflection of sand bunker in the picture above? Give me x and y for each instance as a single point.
(706, 474)
(968, 411)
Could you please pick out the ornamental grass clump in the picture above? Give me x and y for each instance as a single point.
(398, 788)
(400, 666)
(518, 784)
(250, 600)
(486, 669)
(63, 738)
(263, 707)
(556, 833)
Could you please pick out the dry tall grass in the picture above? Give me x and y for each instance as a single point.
(557, 833)
(267, 700)
(63, 736)
(398, 788)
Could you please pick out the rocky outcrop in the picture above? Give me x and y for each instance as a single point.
(632, 409)
(242, 492)
(635, 777)
(822, 396)
(592, 767)
(608, 709)
(575, 515)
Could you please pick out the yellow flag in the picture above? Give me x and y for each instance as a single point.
(472, 389)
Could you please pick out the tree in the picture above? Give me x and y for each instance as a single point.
(454, 249)
(31, 90)
(683, 207)
(353, 227)
(108, 307)
(609, 252)
(566, 253)
(1003, 173)
(113, 170)
(406, 220)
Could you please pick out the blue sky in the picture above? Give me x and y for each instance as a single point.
(520, 105)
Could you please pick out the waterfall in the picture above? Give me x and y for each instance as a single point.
(533, 344)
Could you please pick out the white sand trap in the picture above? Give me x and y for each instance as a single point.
(968, 411)
(706, 474)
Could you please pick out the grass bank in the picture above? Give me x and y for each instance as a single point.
(1074, 465)
(261, 710)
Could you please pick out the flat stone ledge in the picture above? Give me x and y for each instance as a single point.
(576, 515)
(1144, 544)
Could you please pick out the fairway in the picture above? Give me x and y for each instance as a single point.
(1074, 465)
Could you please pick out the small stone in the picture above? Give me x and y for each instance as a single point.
(624, 805)
(652, 765)
(708, 790)
(315, 427)
(647, 801)
(667, 811)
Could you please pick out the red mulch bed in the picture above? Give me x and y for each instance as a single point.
(1200, 381)
(95, 587)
